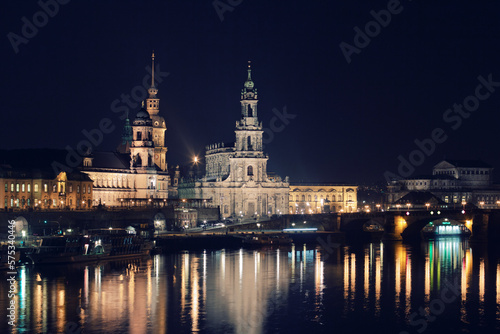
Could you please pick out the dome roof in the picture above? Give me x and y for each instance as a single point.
(142, 114)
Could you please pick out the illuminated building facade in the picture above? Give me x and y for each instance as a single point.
(322, 198)
(35, 189)
(236, 176)
(456, 182)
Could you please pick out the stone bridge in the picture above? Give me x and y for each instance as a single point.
(400, 226)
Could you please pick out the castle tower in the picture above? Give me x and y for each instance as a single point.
(159, 127)
(142, 149)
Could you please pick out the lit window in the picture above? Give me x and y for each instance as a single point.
(77, 189)
(6, 187)
(17, 187)
(29, 187)
(36, 187)
(22, 187)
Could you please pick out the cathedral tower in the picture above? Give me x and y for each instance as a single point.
(248, 147)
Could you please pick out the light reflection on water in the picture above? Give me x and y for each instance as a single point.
(377, 287)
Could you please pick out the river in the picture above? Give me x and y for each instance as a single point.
(444, 286)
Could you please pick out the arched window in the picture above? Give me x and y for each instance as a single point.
(333, 198)
(296, 198)
(249, 143)
(250, 171)
(308, 198)
(303, 198)
(139, 135)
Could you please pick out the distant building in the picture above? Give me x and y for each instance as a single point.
(313, 198)
(236, 177)
(455, 182)
(417, 200)
(186, 217)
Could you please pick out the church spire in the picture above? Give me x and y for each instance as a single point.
(153, 69)
(249, 92)
(152, 90)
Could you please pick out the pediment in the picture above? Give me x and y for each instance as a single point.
(443, 165)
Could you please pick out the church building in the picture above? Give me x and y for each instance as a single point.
(236, 177)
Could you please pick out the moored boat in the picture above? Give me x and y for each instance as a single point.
(101, 244)
(267, 240)
(444, 228)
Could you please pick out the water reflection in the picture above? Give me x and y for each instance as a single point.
(295, 289)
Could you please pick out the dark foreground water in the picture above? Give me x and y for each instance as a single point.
(443, 286)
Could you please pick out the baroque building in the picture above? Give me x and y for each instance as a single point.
(455, 182)
(313, 198)
(236, 177)
(137, 173)
(27, 182)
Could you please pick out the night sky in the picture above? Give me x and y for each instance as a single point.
(352, 120)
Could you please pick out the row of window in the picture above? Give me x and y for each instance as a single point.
(464, 172)
(27, 202)
(309, 198)
(21, 187)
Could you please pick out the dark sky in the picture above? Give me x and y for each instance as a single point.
(353, 120)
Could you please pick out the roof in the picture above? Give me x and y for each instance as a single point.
(420, 198)
(322, 184)
(431, 177)
(468, 163)
(35, 163)
(112, 160)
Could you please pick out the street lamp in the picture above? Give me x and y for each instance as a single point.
(378, 207)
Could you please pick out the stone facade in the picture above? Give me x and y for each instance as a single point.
(236, 176)
(41, 190)
(456, 182)
(322, 198)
